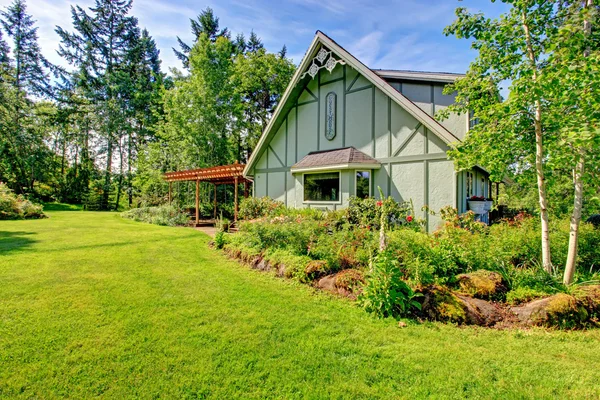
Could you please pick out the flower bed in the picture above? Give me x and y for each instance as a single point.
(314, 247)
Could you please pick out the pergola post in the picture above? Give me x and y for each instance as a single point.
(215, 200)
(197, 201)
(170, 191)
(235, 199)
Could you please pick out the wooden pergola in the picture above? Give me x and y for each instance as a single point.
(223, 175)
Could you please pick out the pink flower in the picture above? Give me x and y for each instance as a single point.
(409, 218)
(379, 203)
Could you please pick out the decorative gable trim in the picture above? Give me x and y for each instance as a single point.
(308, 63)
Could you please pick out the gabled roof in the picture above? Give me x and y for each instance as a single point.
(443, 77)
(324, 40)
(344, 158)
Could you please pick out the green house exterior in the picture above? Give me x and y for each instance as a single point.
(335, 102)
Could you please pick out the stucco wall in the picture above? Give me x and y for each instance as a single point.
(414, 162)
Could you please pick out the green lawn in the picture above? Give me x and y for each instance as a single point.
(94, 305)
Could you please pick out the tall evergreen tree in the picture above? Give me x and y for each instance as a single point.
(98, 48)
(205, 23)
(31, 69)
(25, 74)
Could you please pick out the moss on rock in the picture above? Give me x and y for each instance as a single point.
(440, 304)
(482, 284)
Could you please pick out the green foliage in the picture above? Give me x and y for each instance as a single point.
(594, 220)
(220, 239)
(524, 294)
(17, 207)
(259, 207)
(367, 213)
(222, 224)
(165, 294)
(385, 294)
(168, 215)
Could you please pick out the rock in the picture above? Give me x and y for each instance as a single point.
(589, 297)
(440, 304)
(263, 265)
(402, 324)
(339, 283)
(480, 312)
(327, 283)
(560, 310)
(482, 284)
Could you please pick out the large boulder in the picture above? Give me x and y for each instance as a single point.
(561, 310)
(482, 284)
(481, 312)
(441, 304)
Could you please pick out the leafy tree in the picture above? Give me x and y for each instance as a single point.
(512, 135)
(572, 87)
(259, 78)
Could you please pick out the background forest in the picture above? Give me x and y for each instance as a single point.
(102, 132)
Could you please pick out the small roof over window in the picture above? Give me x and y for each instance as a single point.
(344, 158)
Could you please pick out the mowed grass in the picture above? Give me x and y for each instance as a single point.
(94, 305)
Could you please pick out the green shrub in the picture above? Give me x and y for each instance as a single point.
(17, 207)
(255, 207)
(219, 239)
(366, 213)
(385, 294)
(168, 215)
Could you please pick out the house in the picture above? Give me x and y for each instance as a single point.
(342, 129)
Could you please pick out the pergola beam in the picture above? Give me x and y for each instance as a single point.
(225, 174)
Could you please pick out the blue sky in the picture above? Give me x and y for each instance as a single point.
(401, 34)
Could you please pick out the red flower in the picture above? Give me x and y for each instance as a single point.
(379, 203)
(409, 218)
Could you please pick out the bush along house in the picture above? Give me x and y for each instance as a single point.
(342, 129)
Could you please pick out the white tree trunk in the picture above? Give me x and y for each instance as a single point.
(539, 156)
(575, 221)
(578, 198)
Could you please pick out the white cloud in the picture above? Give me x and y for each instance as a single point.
(366, 49)
(392, 34)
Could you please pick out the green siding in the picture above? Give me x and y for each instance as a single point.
(414, 166)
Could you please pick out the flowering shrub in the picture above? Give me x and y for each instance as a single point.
(254, 207)
(17, 207)
(366, 213)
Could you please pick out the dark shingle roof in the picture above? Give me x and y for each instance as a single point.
(324, 158)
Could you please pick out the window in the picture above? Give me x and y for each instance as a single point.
(322, 187)
(363, 184)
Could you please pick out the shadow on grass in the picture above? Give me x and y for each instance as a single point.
(62, 207)
(14, 241)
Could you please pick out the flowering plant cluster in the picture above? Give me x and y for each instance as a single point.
(366, 213)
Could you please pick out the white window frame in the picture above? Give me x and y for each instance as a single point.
(339, 172)
(370, 171)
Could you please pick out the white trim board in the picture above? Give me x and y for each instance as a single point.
(321, 39)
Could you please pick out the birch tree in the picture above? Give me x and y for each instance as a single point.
(512, 135)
